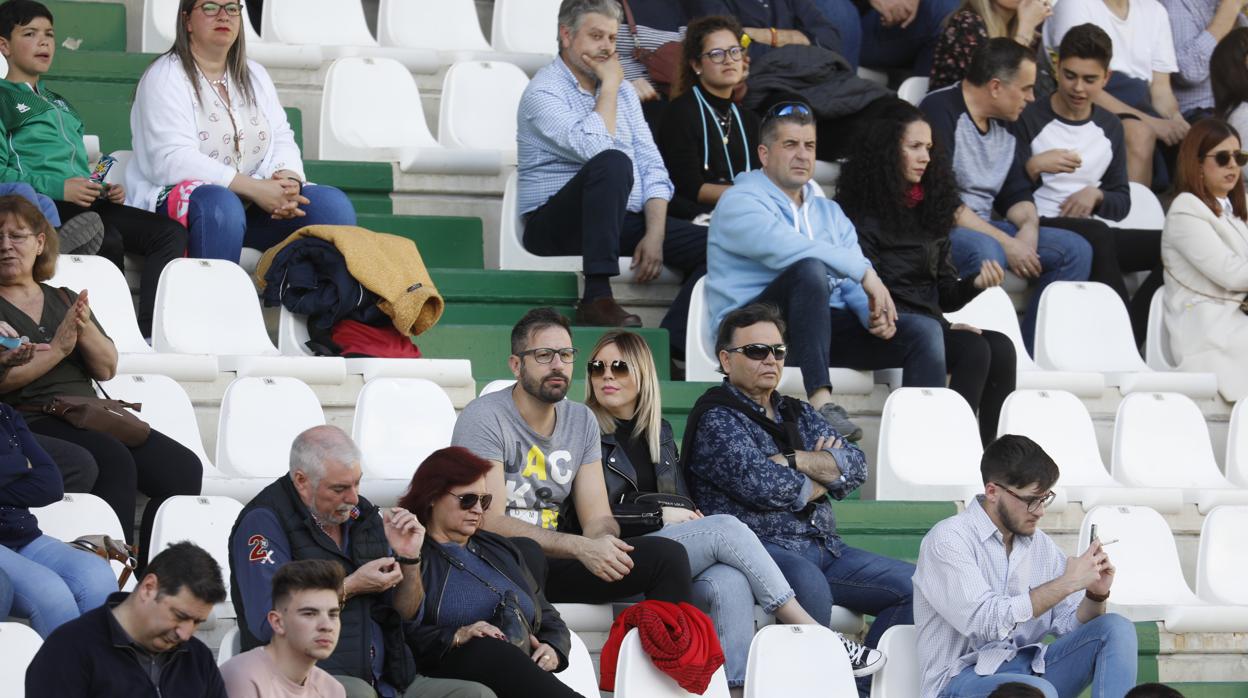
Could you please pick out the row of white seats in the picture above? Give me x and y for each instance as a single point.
(1162, 455)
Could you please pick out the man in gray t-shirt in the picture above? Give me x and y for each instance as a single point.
(545, 450)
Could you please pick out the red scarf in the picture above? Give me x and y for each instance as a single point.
(680, 640)
(913, 196)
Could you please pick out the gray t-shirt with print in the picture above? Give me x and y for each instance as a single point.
(539, 469)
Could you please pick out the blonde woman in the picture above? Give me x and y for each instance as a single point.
(977, 21)
(731, 569)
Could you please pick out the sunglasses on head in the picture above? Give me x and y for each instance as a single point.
(788, 109)
(468, 501)
(618, 367)
(758, 351)
(1223, 157)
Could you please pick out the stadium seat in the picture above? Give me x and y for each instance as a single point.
(371, 112)
(1222, 562)
(526, 29)
(701, 364)
(497, 385)
(231, 644)
(260, 418)
(113, 306)
(4, 67)
(637, 677)
(80, 514)
(209, 306)
(1060, 423)
(579, 674)
(398, 423)
(993, 310)
(18, 646)
(913, 89)
(1157, 343)
(1145, 213)
(1237, 446)
(587, 617)
(843, 620)
(339, 28)
(478, 108)
(900, 677)
(1148, 580)
(1083, 326)
(513, 256)
(797, 660)
(448, 27)
(160, 19)
(1161, 440)
(206, 522)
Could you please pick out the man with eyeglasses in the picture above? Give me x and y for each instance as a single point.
(990, 586)
(547, 460)
(316, 513)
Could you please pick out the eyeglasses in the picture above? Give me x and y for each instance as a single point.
(1223, 157)
(212, 9)
(468, 501)
(721, 55)
(781, 110)
(619, 367)
(1033, 503)
(544, 355)
(758, 352)
(16, 238)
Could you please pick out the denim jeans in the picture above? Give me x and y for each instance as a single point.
(1064, 256)
(865, 41)
(6, 595)
(24, 190)
(731, 571)
(1100, 653)
(220, 226)
(54, 583)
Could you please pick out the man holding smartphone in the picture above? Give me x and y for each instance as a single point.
(990, 586)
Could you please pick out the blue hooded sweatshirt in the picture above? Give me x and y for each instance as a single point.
(757, 232)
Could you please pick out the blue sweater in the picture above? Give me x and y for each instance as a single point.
(28, 478)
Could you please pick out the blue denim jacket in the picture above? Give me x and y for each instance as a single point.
(730, 472)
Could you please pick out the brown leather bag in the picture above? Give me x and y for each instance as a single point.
(110, 549)
(104, 415)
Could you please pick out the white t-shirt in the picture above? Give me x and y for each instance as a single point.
(1143, 44)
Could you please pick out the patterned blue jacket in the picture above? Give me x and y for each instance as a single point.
(729, 471)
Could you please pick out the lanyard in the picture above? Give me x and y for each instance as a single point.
(723, 137)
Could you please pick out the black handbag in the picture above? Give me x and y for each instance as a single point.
(639, 513)
(508, 615)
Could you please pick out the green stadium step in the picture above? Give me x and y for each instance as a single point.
(488, 347)
(1213, 689)
(367, 184)
(100, 66)
(444, 241)
(495, 297)
(100, 26)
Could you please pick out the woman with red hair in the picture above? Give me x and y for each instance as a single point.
(484, 617)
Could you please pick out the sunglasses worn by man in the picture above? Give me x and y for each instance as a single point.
(758, 351)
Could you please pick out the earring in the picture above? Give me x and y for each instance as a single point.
(697, 72)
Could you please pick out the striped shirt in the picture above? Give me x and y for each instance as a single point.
(558, 131)
(649, 39)
(972, 603)
(1193, 48)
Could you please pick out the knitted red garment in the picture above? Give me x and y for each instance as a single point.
(679, 638)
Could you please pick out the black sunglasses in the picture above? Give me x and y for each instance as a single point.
(1033, 503)
(1223, 157)
(468, 501)
(759, 351)
(801, 110)
(596, 368)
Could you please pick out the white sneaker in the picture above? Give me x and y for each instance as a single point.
(862, 659)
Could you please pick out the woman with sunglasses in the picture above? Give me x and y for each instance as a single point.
(903, 199)
(731, 569)
(706, 140)
(212, 147)
(1204, 247)
(477, 588)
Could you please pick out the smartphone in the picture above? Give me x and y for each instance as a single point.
(12, 342)
(1092, 537)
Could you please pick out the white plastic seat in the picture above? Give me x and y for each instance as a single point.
(113, 306)
(231, 645)
(637, 677)
(371, 112)
(160, 18)
(1157, 342)
(339, 28)
(260, 418)
(209, 306)
(1161, 440)
(909, 469)
(842, 620)
(1222, 562)
(527, 30)
(81, 514)
(1083, 326)
(797, 660)
(701, 364)
(19, 644)
(993, 310)
(901, 676)
(579, 674)
(1060, 423)
(1237, 446)
(587, 617)
(1145, 213)
(497, 385)
(1148, 579)
(448, 27)
(478, 108)
(206, 522)
(914, 89)
(398, 423)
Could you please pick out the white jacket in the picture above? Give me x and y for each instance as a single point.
(164, 134)
(1209, 254)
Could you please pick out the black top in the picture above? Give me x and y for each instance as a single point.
(692, 145)
(638, 453)
(67, 377)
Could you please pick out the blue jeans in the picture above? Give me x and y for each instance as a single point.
(865, 41)
(731, 571)
(46, 207)
(1064, 256)
(6, 596)
(219, 225)
(1100, 653)
(54, 583)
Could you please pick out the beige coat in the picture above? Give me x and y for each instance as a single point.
(1207, 253)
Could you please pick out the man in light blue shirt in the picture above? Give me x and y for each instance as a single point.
(990, 586)
(591, 181)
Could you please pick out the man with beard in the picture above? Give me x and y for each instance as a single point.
(546, 456)
(990, 586)
(317, 513)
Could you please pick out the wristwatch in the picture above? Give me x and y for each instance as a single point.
(407, 560)
(791, 457)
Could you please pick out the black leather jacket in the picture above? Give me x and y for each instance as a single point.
(621, 475)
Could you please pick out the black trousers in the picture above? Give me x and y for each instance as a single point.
(982, 369)
(160, 468)
(505, 669)
(589, 217)
(78, 469)
(1116, 251)
(660, 571)
(158, 239)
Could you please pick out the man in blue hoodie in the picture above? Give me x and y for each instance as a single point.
(776, 239)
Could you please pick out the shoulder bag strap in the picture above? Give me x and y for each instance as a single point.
(632, 26)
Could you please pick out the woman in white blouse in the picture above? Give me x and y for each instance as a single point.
(212, 147)
(1204, 247)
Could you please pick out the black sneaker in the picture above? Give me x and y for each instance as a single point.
(839, 419)
(862, 659)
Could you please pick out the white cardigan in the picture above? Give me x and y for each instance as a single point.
(1209, 254)
(164, 134)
